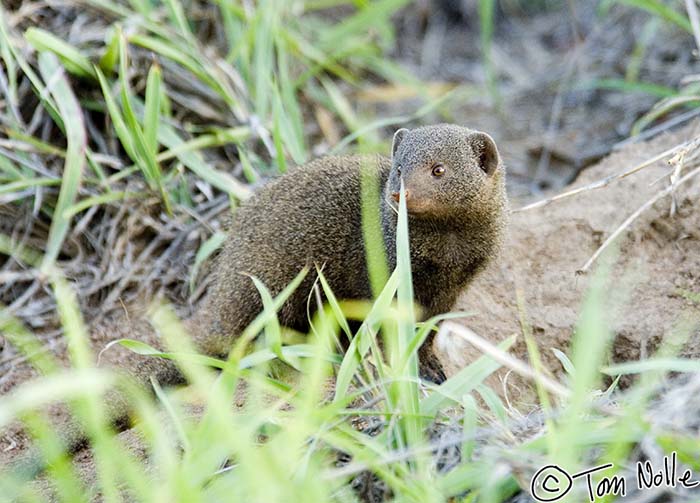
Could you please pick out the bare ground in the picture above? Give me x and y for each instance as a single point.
(654, 284)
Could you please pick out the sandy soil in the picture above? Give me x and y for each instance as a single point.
(657, 268)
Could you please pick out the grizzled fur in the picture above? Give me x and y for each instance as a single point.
(312, 216)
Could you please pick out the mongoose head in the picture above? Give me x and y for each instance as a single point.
(447, 171)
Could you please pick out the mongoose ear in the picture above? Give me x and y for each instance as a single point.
(485, 151)
(398, 137)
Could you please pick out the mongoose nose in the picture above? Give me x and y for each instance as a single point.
(396, 195)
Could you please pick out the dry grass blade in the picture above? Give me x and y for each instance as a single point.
(503, 358)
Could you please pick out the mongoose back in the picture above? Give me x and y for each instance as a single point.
(457, 211)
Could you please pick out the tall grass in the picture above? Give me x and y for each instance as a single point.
(272, 61)
(283, 443)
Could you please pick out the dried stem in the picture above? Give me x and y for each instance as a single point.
(500, 356)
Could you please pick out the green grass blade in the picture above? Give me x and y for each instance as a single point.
(23, 253)
(372, 235)
(72, 115)
(406, 389)
(263, 54)
(280, 157)
(486, 23)
(374, 16)
(362, 341)
(70, 57)
(654, 364)
(263, 318)
(151, 116)
(630, 87)
(194, 161)
(273, 331)
(117, 118)
(181, 57)
(178, 18)
(425, 329)
(110, 58)
(26, 343)
(101, 199)
(205, 251)
(333, 302)
(19, 185)
(37, 393)
(454, 389)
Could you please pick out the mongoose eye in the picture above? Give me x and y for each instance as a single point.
(438, 170)
(398, 170)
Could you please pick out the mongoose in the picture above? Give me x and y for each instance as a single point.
(457, 206)
(457, 211)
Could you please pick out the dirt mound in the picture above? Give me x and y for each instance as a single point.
(656, 278)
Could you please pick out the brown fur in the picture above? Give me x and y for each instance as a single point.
(312, 217)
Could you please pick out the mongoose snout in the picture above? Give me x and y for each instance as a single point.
(397, 195)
